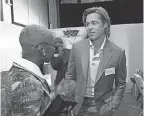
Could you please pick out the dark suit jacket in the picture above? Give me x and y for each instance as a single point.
(77, 73)
(60, 64)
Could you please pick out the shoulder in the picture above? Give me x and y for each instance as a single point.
(21, 88)
(21, 80)
(116, 47)
(118, 52)
(80, 44)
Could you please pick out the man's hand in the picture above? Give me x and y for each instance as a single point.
(52, 95)
(60, 89)
(69, 108)
(107, 109)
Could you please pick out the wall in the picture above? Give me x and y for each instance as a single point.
(24, 12)
(43, 12)
(6, 12)
(53, 14)
(1, 14)
(9, 44)
(129, 37)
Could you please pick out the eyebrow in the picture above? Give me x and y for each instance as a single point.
(92, 22)
(45, 43)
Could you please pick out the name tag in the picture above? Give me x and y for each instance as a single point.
(109, 71)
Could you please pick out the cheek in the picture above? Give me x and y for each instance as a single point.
(98, 27)
(100, 30)
(87, 29)
(52, 50)
(51, 53)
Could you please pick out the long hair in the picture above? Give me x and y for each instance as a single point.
(104, 17)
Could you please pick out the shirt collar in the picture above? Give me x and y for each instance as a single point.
(30, 66)
(102, 46)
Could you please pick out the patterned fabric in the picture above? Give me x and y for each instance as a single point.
(23, 93)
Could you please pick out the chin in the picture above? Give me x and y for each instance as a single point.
(93, 38)
(47, 61)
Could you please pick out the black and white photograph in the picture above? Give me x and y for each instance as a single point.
(71, 57)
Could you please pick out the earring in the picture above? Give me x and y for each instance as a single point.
(43, 53)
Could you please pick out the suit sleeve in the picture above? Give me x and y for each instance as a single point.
(56, 62)
(120, 82)
(70, 78)
(71, 70)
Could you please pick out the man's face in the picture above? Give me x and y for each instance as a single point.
(94, 26)
(49, 50)
(59, 46)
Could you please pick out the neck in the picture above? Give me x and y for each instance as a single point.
(97, 43)
(33, 59)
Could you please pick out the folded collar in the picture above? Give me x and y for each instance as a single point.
(28, 65)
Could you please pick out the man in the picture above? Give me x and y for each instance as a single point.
(26, 90)
(59, 63)
(60, 59)
(95, 63)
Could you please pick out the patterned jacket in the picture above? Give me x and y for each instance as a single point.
(23, 93)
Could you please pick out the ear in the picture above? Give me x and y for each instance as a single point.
(41, 50)
(105, 25)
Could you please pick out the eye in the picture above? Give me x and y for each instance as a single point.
(86, 24)
(95, 23)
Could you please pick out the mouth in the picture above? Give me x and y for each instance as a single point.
(91, 33)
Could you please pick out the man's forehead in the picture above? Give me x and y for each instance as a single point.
(93, 17)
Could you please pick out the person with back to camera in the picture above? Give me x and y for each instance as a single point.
(26, 90)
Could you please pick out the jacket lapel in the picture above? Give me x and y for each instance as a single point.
(106, 57)
(85, 57)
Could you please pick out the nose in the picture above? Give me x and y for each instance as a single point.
(90, 27)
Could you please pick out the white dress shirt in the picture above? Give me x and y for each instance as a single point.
(93, 68)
